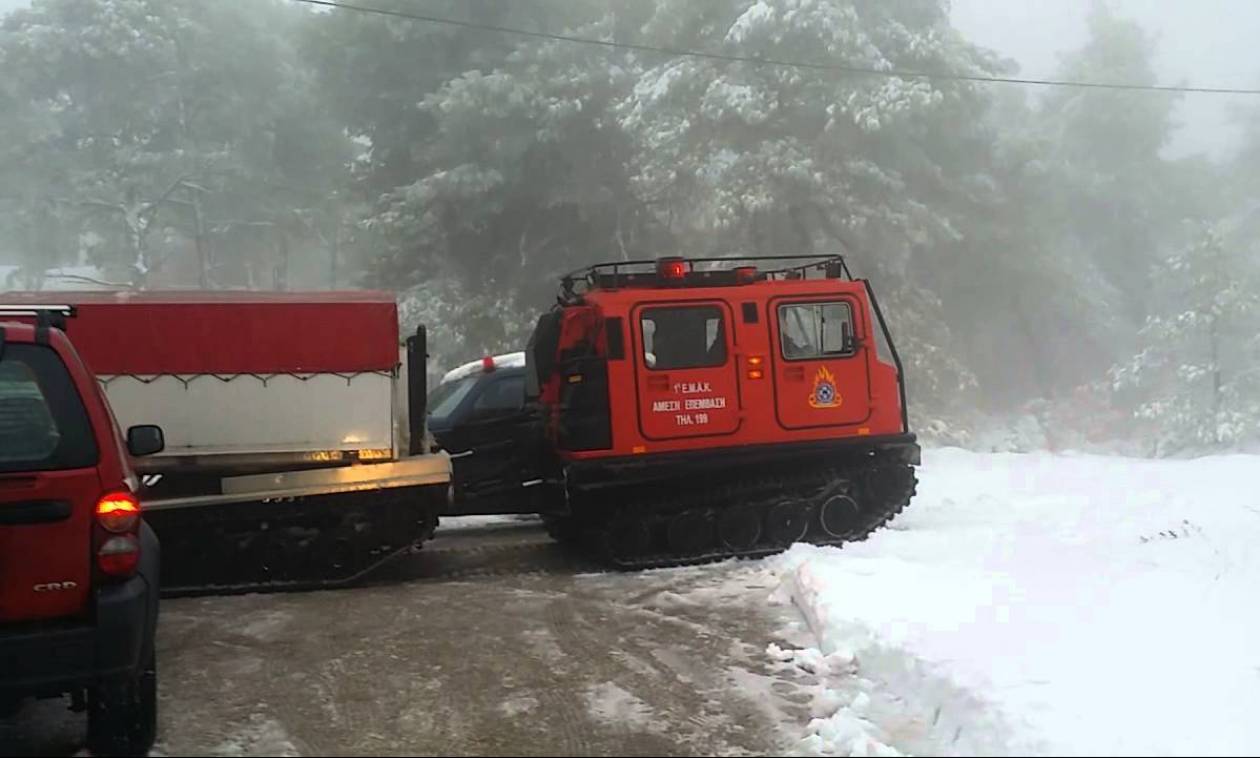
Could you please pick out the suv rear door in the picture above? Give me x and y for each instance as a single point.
(49, 485)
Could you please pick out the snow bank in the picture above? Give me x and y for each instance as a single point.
(1073, 604)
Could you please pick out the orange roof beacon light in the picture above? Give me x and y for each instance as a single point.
(672, 270)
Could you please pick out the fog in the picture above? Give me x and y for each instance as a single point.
(1204, 43)
(1062, 267)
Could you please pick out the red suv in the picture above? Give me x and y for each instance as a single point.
(78, 565)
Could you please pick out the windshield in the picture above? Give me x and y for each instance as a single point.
(447, 396)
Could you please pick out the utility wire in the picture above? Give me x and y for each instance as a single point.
(811, 65)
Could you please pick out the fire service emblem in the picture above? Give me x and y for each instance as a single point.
(825, 394)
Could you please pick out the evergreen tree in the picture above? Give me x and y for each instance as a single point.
(1196, 376)
(155, 129)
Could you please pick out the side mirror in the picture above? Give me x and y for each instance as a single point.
(145, 440)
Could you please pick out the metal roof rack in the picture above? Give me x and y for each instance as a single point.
(716, 272)
(46, 316)
(37, 309)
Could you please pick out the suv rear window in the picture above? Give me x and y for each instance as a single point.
(43, 424)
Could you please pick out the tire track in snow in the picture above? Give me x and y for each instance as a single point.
(514, 665)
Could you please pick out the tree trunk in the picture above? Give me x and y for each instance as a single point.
(199, 239)
(1216, 382)
(333, 255)
(281, 278)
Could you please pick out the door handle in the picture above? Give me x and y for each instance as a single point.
(795, 373)
(34, 512)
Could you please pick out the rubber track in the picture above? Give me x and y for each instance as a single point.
(312, 543)
(763, 492)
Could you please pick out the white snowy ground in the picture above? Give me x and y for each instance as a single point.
(1041, 603)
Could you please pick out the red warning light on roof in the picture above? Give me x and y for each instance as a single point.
(672, 269)
(487, 363)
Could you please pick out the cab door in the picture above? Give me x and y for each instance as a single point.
(821, 375)
(685, 370)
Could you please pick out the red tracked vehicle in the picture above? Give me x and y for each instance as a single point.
(704, 408)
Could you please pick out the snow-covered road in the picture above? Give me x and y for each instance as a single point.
(492, 642)
(1052, 604)
(1023, 604)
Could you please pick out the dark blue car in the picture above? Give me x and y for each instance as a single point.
(478, 413)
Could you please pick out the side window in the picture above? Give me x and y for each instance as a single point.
(443, 401)
(501, 396)
(681, 337)
(814, 330)
(43, 424)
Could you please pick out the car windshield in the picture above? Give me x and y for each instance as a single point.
(447, 396)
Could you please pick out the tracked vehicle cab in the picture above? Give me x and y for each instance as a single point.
(681, 357)
(661, 382)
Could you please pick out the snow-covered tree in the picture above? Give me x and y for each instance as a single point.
(1196, 376)
(1243, 180)
(158, 127)
(760, 159)
(755, 158)
(1118, 201)
(513, 172)
(1008, 231)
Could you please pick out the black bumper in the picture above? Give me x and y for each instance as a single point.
(602, 472)
(50, 658)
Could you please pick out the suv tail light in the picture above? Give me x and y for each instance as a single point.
(118, 520)
(119, 556)
(118, 512)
